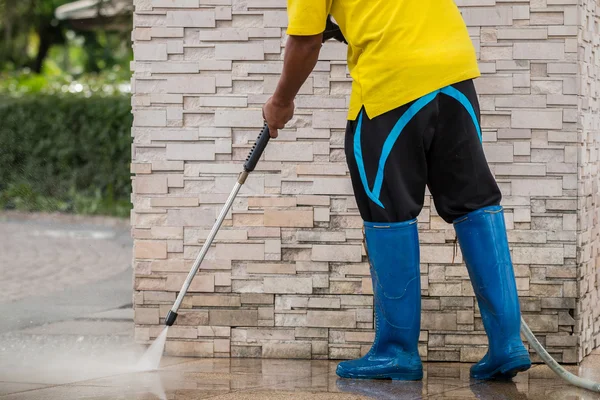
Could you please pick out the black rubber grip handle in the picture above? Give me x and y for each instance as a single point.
(259, 146)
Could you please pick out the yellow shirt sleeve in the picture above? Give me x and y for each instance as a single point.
(307, 17)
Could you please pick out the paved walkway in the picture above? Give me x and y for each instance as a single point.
(59, 268)
(65, 299)
(43, 254)
(256, 379)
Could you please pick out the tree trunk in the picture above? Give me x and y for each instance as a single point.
(47, 35)
(41, 54)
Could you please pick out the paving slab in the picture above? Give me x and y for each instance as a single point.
(15, 387)
(125, 314)
(84, 328)
(47, 255)
(60, 267)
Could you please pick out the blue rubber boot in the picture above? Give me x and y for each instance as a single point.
(393, 253)
(482, 238)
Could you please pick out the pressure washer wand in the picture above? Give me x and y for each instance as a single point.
(249, 165)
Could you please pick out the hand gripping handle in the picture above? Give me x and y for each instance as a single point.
(257, 149)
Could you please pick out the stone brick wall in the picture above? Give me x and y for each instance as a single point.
(287, 275)
(529, 104)
(588, 312)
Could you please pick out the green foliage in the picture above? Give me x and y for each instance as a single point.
(68, 148)
(29, 29)
(66, 153)
(32, 38)
(106, 83)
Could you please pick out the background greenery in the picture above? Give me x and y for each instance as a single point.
(66, 153)
(65, 112)
(33, 38)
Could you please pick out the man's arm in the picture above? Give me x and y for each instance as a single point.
(301, 55)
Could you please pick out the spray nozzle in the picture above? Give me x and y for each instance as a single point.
(171, 317)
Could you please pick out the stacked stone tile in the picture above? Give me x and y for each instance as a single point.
(588, 312)
(287, 275)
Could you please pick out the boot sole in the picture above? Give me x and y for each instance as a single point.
(506, 371)
(397, 376)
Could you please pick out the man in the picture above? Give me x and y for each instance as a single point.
(413, 121)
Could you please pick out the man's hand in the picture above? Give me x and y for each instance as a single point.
(276, 114)
(301, 54)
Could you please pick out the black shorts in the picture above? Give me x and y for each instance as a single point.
(433, 141)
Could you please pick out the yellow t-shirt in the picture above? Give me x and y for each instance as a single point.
(398, 50)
